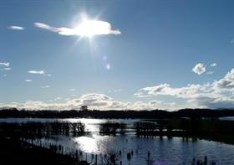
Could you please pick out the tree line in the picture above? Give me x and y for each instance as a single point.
(114, 114)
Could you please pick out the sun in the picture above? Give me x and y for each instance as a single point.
(90, 28)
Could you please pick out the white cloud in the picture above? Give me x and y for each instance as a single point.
(40, 72)
(28, 80)
(227, 82)
(199, 68)
(46, 86)
(85, 28)
(45, 26)
(93, 101)
(7, 69)
(188, 91)
(213, 65)
(14, 27)
(5, 64)
(218, 94)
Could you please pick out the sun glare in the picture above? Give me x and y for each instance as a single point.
(90, 28)
(87, 144)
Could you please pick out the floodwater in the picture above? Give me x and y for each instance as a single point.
(161, 151)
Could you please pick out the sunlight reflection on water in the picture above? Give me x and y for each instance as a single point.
(87, 144)
(162, 150)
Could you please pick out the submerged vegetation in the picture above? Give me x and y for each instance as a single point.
(39, 129)
(211, 129)
(218, 130)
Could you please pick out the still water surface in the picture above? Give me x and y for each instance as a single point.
(166, 151)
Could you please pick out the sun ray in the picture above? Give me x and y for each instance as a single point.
(89, 28)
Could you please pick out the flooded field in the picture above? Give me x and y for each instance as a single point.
(128, 148)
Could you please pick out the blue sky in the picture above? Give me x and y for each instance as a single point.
(156, 54)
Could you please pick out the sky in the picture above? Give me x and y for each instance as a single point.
(118, 54)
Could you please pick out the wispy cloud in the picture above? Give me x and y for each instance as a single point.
(5, 64)
(114, 90)
(210, 72)
(14, 27)
(28, 80)
(46, 86)
(213, 65)
(58, 98)
(85, 28)
(72, 90)
(199, 68)
(40, 72)
(45, 26)
(7, 69)
(232, 41)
